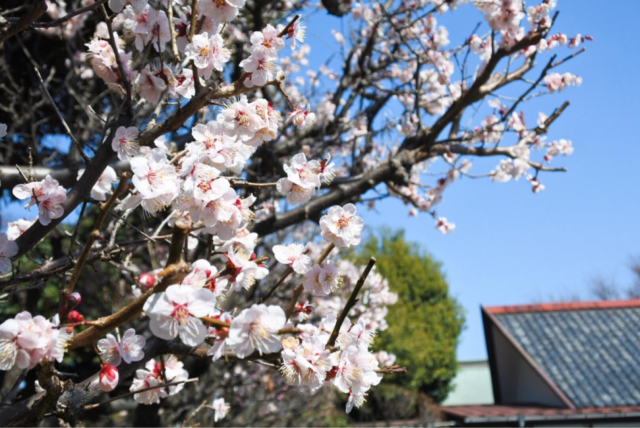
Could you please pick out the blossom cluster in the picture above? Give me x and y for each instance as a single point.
(26, 341)
(47, 194)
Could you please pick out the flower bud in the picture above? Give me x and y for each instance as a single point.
(108, 378)
(73, 300)
(75, 317)
(146, 281)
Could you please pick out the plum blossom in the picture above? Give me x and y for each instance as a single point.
(267, 38)
(208, 53)
(295, 193)
(220, 11)
(125, 142)
(307, 362)
(155, 180)
(25, 341)
(260, 66)
(302, 116)
(342, 226)
(151, 376)
(294, 256)
(221, 409)
(560, 147)
(322, 280)
(557, 82)
(303, 178)
(48, 194)
(243, 271)
(8, 249)
(14, 347)
(105, 65)
(536, 186)
(103, 185)
(219, 335)
(296, 33)
(129, 349)
(18, 227)
(176, 312)
(356, 373)
(150, 84)
(271, 117)
(444, 226)
(240, 119)
(256, 329)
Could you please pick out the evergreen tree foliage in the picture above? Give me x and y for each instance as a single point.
(425, 323)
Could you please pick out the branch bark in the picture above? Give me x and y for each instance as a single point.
(38, 8)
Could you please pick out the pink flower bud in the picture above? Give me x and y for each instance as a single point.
(146, 281)
(74, 299)
(108, 378)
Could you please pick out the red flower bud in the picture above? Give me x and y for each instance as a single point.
(75, 317)
(146, 281)
(109, 377)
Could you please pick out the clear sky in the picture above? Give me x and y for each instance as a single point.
(511, 246)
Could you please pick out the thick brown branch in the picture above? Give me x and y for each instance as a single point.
(171, 275)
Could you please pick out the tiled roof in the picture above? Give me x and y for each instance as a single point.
(591, 350)
(496, 413)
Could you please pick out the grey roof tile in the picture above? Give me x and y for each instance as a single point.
(593, 355)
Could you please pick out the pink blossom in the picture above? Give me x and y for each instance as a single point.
(8, 249)
(342, 226)
(221, 408)
(256, 328)
(208, 53)
(293, 255)
(260, 66)
(267, 38)
(18, 227)
(306, 363)
(49, 196)
(444, 226)
(125, 142)
(176, 312)
(104, 184)
(240, 119)
(322, 280)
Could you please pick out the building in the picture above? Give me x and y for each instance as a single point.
(471, 385)
(559, 364)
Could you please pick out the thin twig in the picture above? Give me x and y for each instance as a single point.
(95, 234)
(116, 53)
(64, 122)
(196, 411)
(68, 16)
(298, 290)
(285, 30)
(240, 184)
(350, 303)
(128, 394)
(172, 29)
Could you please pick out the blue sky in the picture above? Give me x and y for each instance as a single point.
(511, 246)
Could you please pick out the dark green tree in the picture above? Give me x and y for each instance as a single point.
(425, 323)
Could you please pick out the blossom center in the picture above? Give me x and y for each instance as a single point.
(180, 314)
